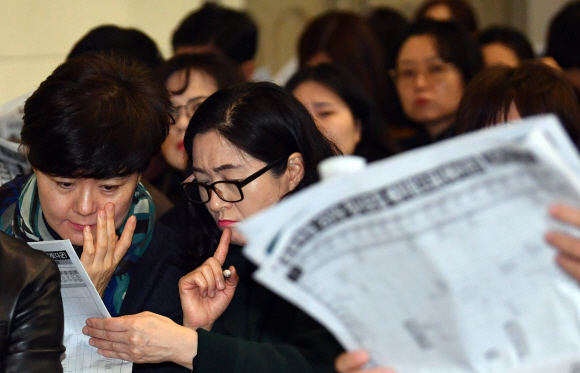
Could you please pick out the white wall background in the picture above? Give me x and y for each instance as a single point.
(36, 35)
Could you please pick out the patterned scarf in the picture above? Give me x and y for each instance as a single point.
(28, 224)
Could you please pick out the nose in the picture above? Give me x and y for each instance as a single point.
(183, 121)
(216, 204)
(421, 80)
(85, 203)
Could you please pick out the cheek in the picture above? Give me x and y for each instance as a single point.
(451, 92)
(122, 207)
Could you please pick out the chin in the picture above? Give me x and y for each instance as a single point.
(75, 239)
(237, 239)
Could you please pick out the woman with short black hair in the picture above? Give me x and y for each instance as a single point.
(89, 132)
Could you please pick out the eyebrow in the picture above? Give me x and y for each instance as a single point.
(322, 104)
(428, 59)
(223, 167)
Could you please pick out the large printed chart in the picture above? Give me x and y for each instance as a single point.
(81, 301)
(441, 270)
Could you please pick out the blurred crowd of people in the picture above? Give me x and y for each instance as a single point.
(147, 164)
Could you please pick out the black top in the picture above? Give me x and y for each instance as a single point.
(261, 332)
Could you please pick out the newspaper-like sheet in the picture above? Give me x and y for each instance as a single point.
(11, 114)
(81, 301)
(435, 261)
(12, 162)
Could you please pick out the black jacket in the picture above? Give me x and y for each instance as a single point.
(261, 332)
(31, 313)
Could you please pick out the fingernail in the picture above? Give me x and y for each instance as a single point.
(91, 342)
(84, 330)
(102, 213)
(221, 285)
(109, 206)
(89, 322)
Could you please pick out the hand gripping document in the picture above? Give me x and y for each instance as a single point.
(81, 301)
(434, 260)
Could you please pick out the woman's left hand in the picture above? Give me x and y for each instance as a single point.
(101, 257)
(143, 338)
(353, 362)
(205, 293)
(568, 246)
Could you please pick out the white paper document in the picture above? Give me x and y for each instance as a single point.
(434, 261)
(81, 301)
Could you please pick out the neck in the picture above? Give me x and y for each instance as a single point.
(437, 127)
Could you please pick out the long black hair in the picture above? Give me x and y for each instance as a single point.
(374, 142)
(264, 121)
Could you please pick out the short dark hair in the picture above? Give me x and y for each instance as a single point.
(222, 70)
(510, 37)
(564, 36)
(345, 86)
(461, 12)
(453, 44)
(264, 121)
(232, 32)
(533, 87)
(125, 42)
(96, 117)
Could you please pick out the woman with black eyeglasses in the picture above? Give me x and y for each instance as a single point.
(189, 79)
(248, 147)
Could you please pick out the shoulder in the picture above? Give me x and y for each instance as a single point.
(15, 254)
(10, 191)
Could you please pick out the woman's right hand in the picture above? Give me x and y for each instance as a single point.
(205, 293)
(101, 257)
(353, 362)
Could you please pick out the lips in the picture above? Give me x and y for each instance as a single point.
(226, 223)
(180, 146)
(79, 227)
(421, 102)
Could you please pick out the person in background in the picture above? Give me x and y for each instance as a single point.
(128, 43)
(123, 42)
(390, 27)
(341, 109)
(501, 45)
(562, 44)
(189, 79)
(31, 311)
(215, 29)
(434, 64)
(459, 11)
(501, 93)
(346, 39)
(249, 146)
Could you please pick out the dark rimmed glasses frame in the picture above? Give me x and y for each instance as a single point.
(226, 190)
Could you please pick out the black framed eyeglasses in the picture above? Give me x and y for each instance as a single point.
(228, 191)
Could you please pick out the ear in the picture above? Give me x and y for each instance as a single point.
(358, 131)
(247, 69)
(294, 170)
